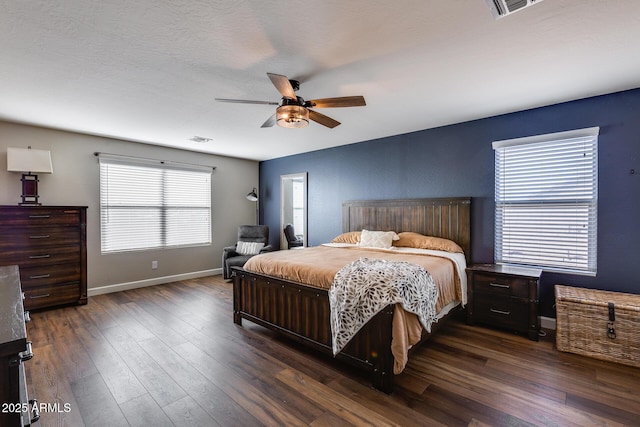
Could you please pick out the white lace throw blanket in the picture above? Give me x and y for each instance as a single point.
(364, 287)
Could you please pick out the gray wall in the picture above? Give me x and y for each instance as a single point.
(75, 181)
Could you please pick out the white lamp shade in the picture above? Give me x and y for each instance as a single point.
(29, 160)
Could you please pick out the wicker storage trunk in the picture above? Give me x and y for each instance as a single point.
(583, 324)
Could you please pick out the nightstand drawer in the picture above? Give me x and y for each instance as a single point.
(505, 312)
(501, 285)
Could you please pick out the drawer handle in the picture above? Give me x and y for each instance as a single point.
(39, 256)
(40, 296)
(506, 313)
(39, 216)
(27, 317)
(35, 412)
(27, 354)
(40, 236)
(499, 285)
(40, 276)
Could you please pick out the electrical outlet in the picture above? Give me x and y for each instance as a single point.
(154, 265)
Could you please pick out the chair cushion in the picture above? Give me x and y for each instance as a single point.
(238, 261)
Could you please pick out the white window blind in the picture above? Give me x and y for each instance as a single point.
(148, 204)
(546, 198)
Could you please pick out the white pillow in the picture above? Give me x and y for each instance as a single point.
(249, 248)
(377, 239)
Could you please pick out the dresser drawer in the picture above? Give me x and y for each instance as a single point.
(497, 285)
(45, 275)
(41, 256)
(506, 312)
(25, 216)
(37, 237)
(46, 296)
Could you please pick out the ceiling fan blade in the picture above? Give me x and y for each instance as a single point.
(270, 122)
(283, 85)
(322, 119)
(246, 101)
(344, 101)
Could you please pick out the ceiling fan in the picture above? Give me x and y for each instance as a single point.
(293, 111)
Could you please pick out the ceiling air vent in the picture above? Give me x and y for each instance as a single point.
(200, 139)
(501, 8)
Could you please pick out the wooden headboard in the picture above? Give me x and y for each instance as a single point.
(449, 218)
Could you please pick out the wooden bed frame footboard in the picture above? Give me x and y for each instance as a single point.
(302, 313)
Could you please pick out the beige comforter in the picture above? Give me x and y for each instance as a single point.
(317, 266)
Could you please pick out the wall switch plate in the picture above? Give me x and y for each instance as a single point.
(154, 265)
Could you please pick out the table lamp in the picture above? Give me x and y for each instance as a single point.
(28, 161)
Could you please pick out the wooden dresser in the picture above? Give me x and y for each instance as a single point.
(505, 297)
(49, 245)
(15, 407)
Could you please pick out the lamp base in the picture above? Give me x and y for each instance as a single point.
(29, 190)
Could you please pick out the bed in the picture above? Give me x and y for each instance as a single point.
(302, 312)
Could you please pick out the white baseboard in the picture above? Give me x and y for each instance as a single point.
(548, 323)
(151, 282)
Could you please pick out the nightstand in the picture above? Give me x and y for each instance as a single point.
(505, 297)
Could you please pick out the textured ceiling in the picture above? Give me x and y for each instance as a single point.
(149, 70)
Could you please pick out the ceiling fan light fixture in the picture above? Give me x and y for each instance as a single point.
(292, 116)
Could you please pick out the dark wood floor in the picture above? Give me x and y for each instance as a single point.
(171, 355)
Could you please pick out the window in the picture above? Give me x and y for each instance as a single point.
(147, 204)
(546, 196)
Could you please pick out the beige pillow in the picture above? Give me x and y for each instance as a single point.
(377, 239)
(410, 239)
(350, 237)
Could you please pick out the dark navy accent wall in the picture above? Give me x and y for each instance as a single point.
(457, 160)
